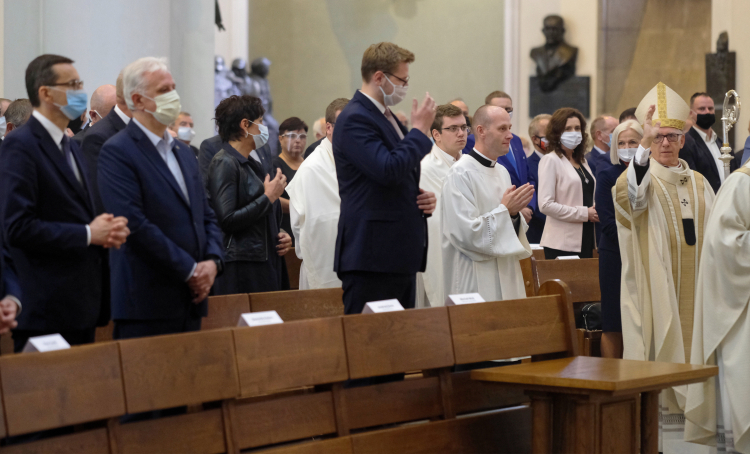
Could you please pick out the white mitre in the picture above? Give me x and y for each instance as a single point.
(671, 109)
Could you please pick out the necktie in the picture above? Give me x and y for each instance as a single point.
(512, 159)
(68, 155)
(389, 116)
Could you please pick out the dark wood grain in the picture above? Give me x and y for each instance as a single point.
(341, 445)
(89, 442)
(224, 311)
(582, 276)
(293, 265)
(60, 388)
(300, 304)
(194, 433)
(471, 396)
(389, 403)
(528, 277)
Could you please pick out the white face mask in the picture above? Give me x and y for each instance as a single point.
(3, 126)
(626, 154)
(397, 95)
(168, 107)
(571, 139)
(185, 133)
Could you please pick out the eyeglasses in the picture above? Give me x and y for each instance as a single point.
(508, 109)
(672, 137)
(406, 82)
(293, 136)
(454, 129)
(74, 84)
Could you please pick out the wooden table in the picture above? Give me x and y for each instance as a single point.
(595, 405)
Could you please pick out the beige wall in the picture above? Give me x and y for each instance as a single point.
(316, 48)
(731, 16)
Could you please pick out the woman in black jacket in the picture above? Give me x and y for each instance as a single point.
(246, 202)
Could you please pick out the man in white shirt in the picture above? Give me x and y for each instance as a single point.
(314, 207)
(449, 131)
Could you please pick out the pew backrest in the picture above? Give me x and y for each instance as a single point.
(581, 276)
(300, 304)
(224, 311)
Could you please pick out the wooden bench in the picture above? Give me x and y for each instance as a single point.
(293, 268)
(300, 304)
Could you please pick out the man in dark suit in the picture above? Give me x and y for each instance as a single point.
(515, 161)
(161, 279)
(55, 238)
(702, 145)
(601, 134)
(113, 122)
(382, 231)
(10, 289)
(102, 101)
(538, 135)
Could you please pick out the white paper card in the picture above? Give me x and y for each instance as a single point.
(569, 257)
(260, 318)
(48, 343)
(375, 307)
(536, 247)
(464, 298)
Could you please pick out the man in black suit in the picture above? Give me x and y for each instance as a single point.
(702, 145)
(102, 101)
(10, 290)
(382, 232)
(113, 122)
(54, 236)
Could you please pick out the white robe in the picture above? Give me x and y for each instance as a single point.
(434, 168)
(315, 206)
(481, 249)
(658, 276)
(721, 332)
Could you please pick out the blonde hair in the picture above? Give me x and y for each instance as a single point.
(384, 57)
(622, 127)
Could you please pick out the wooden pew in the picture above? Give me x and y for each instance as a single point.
(527, 270)
(300, 304)
(293, 266)
(224, 311)
(582, 277)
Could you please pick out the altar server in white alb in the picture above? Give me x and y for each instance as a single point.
(661, 207)
(718, 410)
(449, 131)
(314, 208)
(484, 236)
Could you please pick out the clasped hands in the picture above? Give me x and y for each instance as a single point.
(202, 280)
(8, 311)
(109, 231)
(518, 199)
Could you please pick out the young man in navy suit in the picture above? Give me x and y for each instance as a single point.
(382, 232)
(161, 279)
(515, 160)
(54, 236)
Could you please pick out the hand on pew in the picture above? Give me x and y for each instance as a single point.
(285, 243)
(8, 309)
(203, 279)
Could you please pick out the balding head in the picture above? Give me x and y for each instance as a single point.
(102, 102)
(4, 103)
(492, 131)
(458, 102)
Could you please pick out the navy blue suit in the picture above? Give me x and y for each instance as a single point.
(44, 214)
(168, 233)
(92, 146)
(381, 230)
(536, 226)
(610, 264)
(523, 176)
(598, 162)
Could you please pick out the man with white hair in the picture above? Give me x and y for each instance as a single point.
(661, 208)
(161, 281)
(484, 232)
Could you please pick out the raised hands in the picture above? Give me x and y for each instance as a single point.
(274, 188)
(650, 129)
(516, 199)
(423, 116)
(109, 231)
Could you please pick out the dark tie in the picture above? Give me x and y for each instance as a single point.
(68, 155)
(389, 116)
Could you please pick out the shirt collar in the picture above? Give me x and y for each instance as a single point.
(538, 153)
(446, 157)
(125, 119)
(377, 103)
(488, 162)
(55, 133)
(167, 137)
(704, 136)
(600, 151)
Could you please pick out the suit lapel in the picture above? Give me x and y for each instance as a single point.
(379, 117)
(152, 155)
(88, 196)
(181, 156)
(49, 147)
(520, 164)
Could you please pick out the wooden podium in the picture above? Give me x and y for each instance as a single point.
(595, 405)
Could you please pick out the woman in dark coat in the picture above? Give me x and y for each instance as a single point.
(625, 140)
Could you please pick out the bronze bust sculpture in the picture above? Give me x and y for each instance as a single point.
(556, 60)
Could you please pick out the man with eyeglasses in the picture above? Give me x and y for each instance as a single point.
(56, 241)
(382, 232)
(662, 208)
(449, 131)
(515, 161)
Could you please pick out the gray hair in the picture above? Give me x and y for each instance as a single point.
(134, 76)
(18, 112)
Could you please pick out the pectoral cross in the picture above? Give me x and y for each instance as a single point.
(684, 180)
(684, 202)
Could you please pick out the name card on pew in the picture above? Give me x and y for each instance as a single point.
(569, 257)
(375, 307)
(48, 343)
(260, 318)
(464, 298)
(536, 247)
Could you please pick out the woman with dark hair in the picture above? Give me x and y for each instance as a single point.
(566, 189)
(246, 202)
(293, 139)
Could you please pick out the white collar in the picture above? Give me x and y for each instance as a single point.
(167, 137)
(599, 150)
(538, 153)
(450, 160)
(704, 136)
(54, 132)
(125, 119)
(377, 103)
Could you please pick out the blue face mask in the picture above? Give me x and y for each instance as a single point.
(609, 144)
(77, 102)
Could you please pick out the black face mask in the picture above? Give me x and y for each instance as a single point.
(705, 121)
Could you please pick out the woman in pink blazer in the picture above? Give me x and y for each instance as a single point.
(566, 189)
